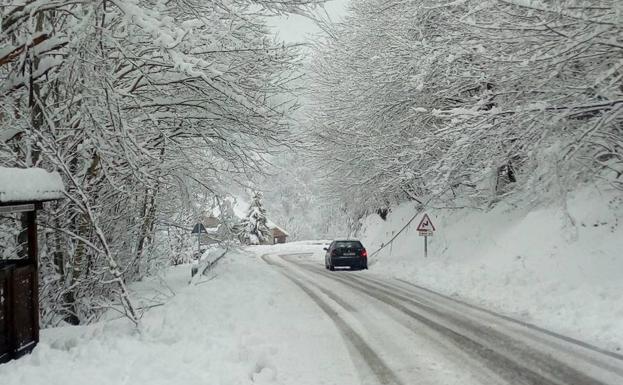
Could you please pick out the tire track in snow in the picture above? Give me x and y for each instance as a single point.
(526, 329)
(363, 351)
(524, 324)
(449, 309)
(524, 366)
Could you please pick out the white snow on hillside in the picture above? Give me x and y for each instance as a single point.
(533, 264)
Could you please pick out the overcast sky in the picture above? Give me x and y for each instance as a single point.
(295, 29)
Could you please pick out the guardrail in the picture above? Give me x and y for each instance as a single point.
(208, 263)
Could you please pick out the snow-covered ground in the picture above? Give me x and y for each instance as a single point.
(247, 323)
(312, 249)
(243, 324)
(533, 264)
(558, 269)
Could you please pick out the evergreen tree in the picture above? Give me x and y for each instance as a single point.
(254, 228)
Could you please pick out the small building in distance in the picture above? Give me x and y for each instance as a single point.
(214, 231)
(211, 222)
(279, 235)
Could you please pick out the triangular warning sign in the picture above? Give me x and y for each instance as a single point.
(426, 224)
(199, 228)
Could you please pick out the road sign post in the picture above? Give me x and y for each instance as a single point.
(426, 229)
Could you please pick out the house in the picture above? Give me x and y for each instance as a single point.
(214, 232)
(217, 231)
(279, 235)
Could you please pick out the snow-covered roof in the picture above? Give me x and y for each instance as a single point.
(213, 230)
(271, 225)
(282, 230)
(29, 184)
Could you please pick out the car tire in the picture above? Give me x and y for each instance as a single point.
(331, 267)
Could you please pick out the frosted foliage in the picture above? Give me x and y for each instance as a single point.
(299, 202)
(144, 109)
(467, 99)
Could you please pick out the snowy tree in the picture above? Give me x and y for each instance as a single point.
(142, 107)
(228, 220)
(253, 229)
(465, 100)
(296, 199)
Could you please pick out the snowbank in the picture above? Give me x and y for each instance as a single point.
(309, 249)
(29, 184)
(558, 269)
(245, 324)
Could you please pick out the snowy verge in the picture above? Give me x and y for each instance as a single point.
(208, 259)
(309, 249)
(557, 268)
(245, 324)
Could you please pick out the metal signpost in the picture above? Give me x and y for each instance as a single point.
(426, 229)
(199, 229)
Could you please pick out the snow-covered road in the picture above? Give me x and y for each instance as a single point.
(274, 316)
(397, 333)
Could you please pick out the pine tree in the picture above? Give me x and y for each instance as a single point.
(254, 228)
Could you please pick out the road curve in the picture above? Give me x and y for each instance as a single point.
(399, 333)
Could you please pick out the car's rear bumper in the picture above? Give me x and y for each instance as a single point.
(349, 261)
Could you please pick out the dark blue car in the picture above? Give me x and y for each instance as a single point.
(346, 253)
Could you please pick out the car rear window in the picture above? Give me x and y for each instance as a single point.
(348, 245)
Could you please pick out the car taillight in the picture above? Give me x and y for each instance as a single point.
(364, 253)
